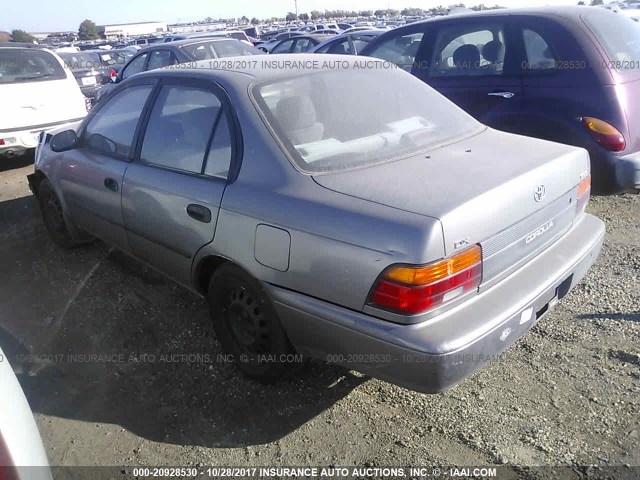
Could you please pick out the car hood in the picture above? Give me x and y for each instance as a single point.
(476, 187)
(31, 104)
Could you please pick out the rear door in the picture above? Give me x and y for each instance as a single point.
(473, 63)
(173, 189)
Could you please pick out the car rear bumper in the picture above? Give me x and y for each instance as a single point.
(438, 353)
(16, 141)
(628, 172)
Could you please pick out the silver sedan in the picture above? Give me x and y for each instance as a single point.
(340, 209)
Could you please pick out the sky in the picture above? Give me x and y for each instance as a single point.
(66, 15)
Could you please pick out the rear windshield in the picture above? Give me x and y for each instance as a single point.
(28, 65)
(619, 36)
(80, 61)
(342, 119)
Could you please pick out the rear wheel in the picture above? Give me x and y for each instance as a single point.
(53, 215)
(247, 325)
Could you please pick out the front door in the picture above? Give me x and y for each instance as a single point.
(92, 174)
(173, 189)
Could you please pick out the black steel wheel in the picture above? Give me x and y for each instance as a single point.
(247, 325)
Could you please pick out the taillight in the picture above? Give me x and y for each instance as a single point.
(1, 141)
(411, 289)
(7, 468)
(113, 73)
(605, 134)
(582, 194)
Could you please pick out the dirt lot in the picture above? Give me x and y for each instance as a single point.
(566, 394)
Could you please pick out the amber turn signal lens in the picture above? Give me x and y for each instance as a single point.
(605, 134)
(424, 275)
(584, 186)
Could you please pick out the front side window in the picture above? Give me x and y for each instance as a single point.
(21, 65)
(468, 50)
(302, 45)
(112, 129)
(337, 47)
(330, 121)
(135, 66)
(400, 50)
(180, 130)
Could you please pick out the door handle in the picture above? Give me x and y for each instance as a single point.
(199, 213)
(111, 184)
(502, 94)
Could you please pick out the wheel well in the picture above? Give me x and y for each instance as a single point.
(206, 268)
(38, 176)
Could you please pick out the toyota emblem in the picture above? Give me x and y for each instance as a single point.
(539, 193)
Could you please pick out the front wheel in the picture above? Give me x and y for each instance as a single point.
(247, 325)
(53, 215)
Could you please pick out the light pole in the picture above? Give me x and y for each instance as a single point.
(296, 2)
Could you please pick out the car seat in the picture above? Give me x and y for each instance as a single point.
(297, 117)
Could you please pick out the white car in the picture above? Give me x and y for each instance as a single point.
(22, 455)
(37, 92)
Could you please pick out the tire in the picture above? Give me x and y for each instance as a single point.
(247, 325)
(53, 216)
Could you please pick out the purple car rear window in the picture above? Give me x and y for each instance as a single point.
(335, 120)
(619, 37)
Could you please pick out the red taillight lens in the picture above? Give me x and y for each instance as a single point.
(1, 141)
(113, 73)
(605, 134)
(583, 192)
(7, 468)
(416, 289)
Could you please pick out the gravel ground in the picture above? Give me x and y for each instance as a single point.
(567, 394)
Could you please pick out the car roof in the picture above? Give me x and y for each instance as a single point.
(566, 11)
(20, 45)
(268, 68)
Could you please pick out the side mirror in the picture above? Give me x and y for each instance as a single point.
(63, 141)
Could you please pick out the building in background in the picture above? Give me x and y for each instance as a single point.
(111, 32)
(5, 36)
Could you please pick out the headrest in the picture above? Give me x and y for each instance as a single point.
(296, 112)
(493, 51)
(466, 56)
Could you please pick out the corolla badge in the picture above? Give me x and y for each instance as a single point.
(539, 231)
(539, 193)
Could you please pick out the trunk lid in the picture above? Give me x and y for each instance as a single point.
(29, 104)
(483, 190)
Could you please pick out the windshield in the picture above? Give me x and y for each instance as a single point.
(80, 61)
(619, 36)
(342, 119)
(28, 65)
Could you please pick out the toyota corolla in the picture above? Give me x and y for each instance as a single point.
(351, 215)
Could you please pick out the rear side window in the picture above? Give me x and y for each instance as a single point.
(619, 36)
(180, 130)
(112, 129)
(161, 58)
(135, 66)
(540, 56)
(469, 50)
(19, 65)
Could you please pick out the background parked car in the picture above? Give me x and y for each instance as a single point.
(22, 455)
(566, 74)
(37, 93)
(88, 70)
(298, 44)
(172, 53)
(354, 224)
(347, 43)
(268, 45)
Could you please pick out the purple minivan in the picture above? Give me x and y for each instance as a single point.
(566, 74)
